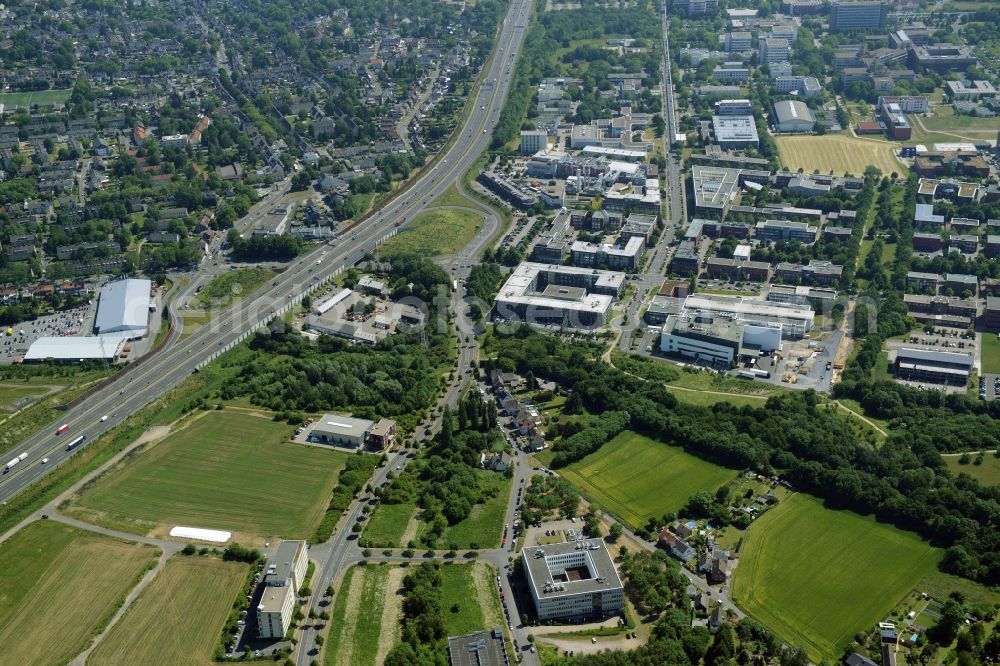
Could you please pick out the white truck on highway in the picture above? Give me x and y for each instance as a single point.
(13, 462)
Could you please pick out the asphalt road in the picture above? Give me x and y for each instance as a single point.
(147, 381)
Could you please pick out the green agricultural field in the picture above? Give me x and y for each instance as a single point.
(636, 478)
(987, 473)
(837, 152)
(387, 525)
(816, 576)
(223, 470)
(225, 288)
(435, 233)
(24, 100)
(61, 586)
(178, 618)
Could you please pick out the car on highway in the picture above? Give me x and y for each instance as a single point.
(104, 418)
(44, 460)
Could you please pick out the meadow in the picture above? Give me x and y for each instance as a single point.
(178, 618)
(816, 576)
(990, 352)
(221, 470)
(839, 153)
(435, 233)
(483, 527)
(387, 525)
(223, 289)
(988, 473)
(61, 586)
(636, 478)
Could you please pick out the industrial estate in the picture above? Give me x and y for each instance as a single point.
(500, 332)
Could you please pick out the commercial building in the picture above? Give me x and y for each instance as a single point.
(991, 315)
(274, 223)
(924, 365)
(107, 348)
(352, 432)
(733, 107)
(615, 257)
(896, 125)
(772, 50)
(286, 572)
(795, 321)
(717, 340)
(533, 140)
(716, 189)
(697, 7)
(807, 86)
(851, 15)
(923, 281)
(793, 116)
(943, 57)
(818, 298)
(971, 90)
(774, 230)
(731, 72)
(575, 579)
(739, 41)
(906, 103)
(925, 242)
(686, 260)
(735, 131)
(960, 283)
(123, 307)
(941, 310)
(480, 648)
(559, 295)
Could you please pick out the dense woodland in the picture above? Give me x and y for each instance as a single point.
(903, 482)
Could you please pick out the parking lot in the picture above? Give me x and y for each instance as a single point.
(77, 321)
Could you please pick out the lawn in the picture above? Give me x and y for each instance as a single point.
(703, 399)
(357, 636)
(435, 233)
(990, 351)
(469, 598)
(636, 478)
(224, 470)
(178, 618)
(386, 526)
(41, 97)
(223, 289)
(816, 577)
(61, 585)
(988, 473)
(484, 526)
(837, 152)
(945, 120)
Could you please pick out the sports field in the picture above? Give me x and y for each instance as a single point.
(837, 152)
(816, 576)
(24, 100)
(435, 233)
(222, 470)
(61, 585)
(636, 478)
(178, 618)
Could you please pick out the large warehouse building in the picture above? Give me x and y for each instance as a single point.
(105, 348)
(575, 579)
(924, 365)
(794, 320)
(354, 433)
(718, 341)
(123, 307)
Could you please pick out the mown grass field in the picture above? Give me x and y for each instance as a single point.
(435, 233)
(61, 585)
(636, 478)
(816, 576)
(222, 290)
(987, 473)
(178, 618)
(990, 353)
(837, 152)
(223, 470)
(386, 526)
(24, 100)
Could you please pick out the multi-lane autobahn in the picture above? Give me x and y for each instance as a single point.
(151, 379)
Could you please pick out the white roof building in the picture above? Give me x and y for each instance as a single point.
(123, 306)
(76, 349)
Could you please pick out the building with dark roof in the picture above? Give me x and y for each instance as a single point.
(480, 648)
(925, 365)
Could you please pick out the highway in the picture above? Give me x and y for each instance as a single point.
(148, 381)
